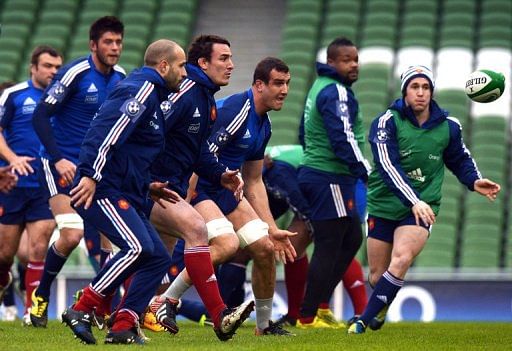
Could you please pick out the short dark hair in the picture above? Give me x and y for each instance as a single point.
(332, 49)
(42, 49)
(265, 66)
(103, 25)
(202, 47)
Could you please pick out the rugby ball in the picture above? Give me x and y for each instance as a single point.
(485, 85)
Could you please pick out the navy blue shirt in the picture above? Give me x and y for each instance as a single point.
(17, 105)
(188, 125)
(126, 136)
(71, 100)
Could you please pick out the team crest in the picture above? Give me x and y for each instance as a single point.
(350, 204)
(371, 224)
(62, 182)
(133, 109)
(213, 113)
(123, 204)
(57, 91)
(173, 271)
(221, 136)
(381, 136)
(342, 109)
(166, 107)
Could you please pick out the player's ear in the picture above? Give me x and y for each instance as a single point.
(202, 62)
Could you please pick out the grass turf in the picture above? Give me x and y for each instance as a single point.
(393, 336)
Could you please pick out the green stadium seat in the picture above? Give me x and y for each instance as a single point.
(379, 35)
(108, 6)
(20, 5)
(136, 18)
(348, 6)
(63, 6)
(17, 17)
(480, 259)
(11, 44)
(496, 6)
(302, 18)
(420, 6)
(175, 18)
(304, 6)
(382, 6)
(495, 36)
(178, 6)
(147, 6)
(338, 30)
(56, 17)
(459, 6)
(419, 19)
(7, 70)
(300, 32)
(456, 18)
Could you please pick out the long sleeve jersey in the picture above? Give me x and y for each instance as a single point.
(17, 105)
(126, 136)
(191, 114)
(68, 105)
(409, 160)
(332, 126)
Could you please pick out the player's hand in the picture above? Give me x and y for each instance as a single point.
(66, 170)
(283, 248)
(21, 165)
(423, 211)
(487, 188)
(83, 193)
(233, 181)
(159, 192)
(8, 179)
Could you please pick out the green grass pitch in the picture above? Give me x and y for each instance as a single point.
(393, 336)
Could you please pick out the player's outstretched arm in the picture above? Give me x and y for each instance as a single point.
(487, 188)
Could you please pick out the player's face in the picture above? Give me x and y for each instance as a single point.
(43, 73)
(176, 71)
(220, 66)
(274, 93)
(107, 49)
(346, 63)
(418, 94)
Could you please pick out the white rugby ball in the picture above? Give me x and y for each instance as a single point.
(485, 85)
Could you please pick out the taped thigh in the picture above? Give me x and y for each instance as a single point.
(251, 232)
(69, 220)
(218, 227)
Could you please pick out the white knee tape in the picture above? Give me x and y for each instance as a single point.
(69, 220)
(218, 227)
(251, 232)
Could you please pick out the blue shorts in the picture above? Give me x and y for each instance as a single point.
(51, 181)
(223, 198)
(92, 240)
(22, 205)
(384, 229)
(329, 195)
(284, 191)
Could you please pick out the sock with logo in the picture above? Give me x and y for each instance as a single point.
(32, 277)
(52, 266)
(199, 266)
(263, 312)
(353, 281)
(385, 291)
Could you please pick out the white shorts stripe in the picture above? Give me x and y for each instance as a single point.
(50, 181)
(341, 211)
(125, 232)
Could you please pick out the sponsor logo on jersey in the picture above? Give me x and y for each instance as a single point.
(28, 106)
(123, 204)
(194, 128)
(405, 153)
(196, 113)
(154, 125)
(92, 88)
(247, 134)
(416, 175)
(434, 157)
